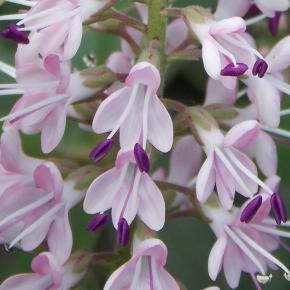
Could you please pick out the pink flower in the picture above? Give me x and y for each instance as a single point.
(44, 108)
(32, 212)
(145, 270)
(16, 168)
(245, 247)
(136, 111)
(129, 192)
(265, 93)
(60, 21)
(226, 52)
(226, 167)
(48, 273)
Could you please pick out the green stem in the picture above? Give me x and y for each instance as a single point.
(157, 30)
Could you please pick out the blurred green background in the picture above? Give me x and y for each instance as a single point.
(188, 240)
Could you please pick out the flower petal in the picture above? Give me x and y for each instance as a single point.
(152, 205)
(228, 8)
(211, 58)
(227, 26)
(205, 179)
(101, 192)
(242, 134)
(216, 256)
(160, 126)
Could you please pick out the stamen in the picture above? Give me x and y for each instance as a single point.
(260, 250)
(13, 33)
(285, 112)
(277, 131)
(273, 23)
(247, 171)
(234, 70)
(278, 208)
(10, 92)
(29, 86)
(279, 84)
(101, 150)
(287, 276)
(8, 69)
(30, 207)
(44, 218)
(251, 209)
(260, 68)
(232, 170)
(123, 236)
(141, 158)
(241, 93)
(97, 222)
(31, 109)
(245, 249)
(255, 19)
(271, 231)
(41, 14)
(126, 111)
(45, 24)
(145, 117)
(12, 17)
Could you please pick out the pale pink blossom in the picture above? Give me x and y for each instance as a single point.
(48, 273)
(226, 167)
(128, 192)
(145, 270)
(246, 247)
(32, 212)
(136, 111)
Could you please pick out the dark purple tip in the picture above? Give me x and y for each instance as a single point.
(278, 208)
(251, 209)
(12, 32)
(123, 232)
(232, 70)
(101, 150)
(254, 11)
(97, 222)
(260, 68)
(141, 158)
(273, 23)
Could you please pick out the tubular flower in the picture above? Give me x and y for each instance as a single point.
(145, 270)
(30, 213)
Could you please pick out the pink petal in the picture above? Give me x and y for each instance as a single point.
(101, 192)
(48, 177)
(211, 58)
(217, 93)
(152, 206)
(271, 6)
(205, 179)
(266, 154)
(146, 74)
(60, 231)
(110, 111)
(224, 184)
(53, 128)
(216, 255)
(126, 201)
(119, 62)
(229, 8)
(176, 34)
(227, 26)
(142, 11)
(25, 282)
(74, 37)
(121, 278)
(160, 127)
(185, 161)
(278, 58)
(267, 100)
(45, 263)
(242, 134)
(232, 265)
(130, 130)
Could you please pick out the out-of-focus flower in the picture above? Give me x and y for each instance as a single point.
(32, 212)
(145, 270)
(48, 273)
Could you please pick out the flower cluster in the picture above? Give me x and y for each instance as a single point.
(223, 164)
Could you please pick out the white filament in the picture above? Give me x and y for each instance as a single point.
(8, 69)
(22, 2)
(255, 19)
(271, 231)
(12, 17)
(145, 117)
